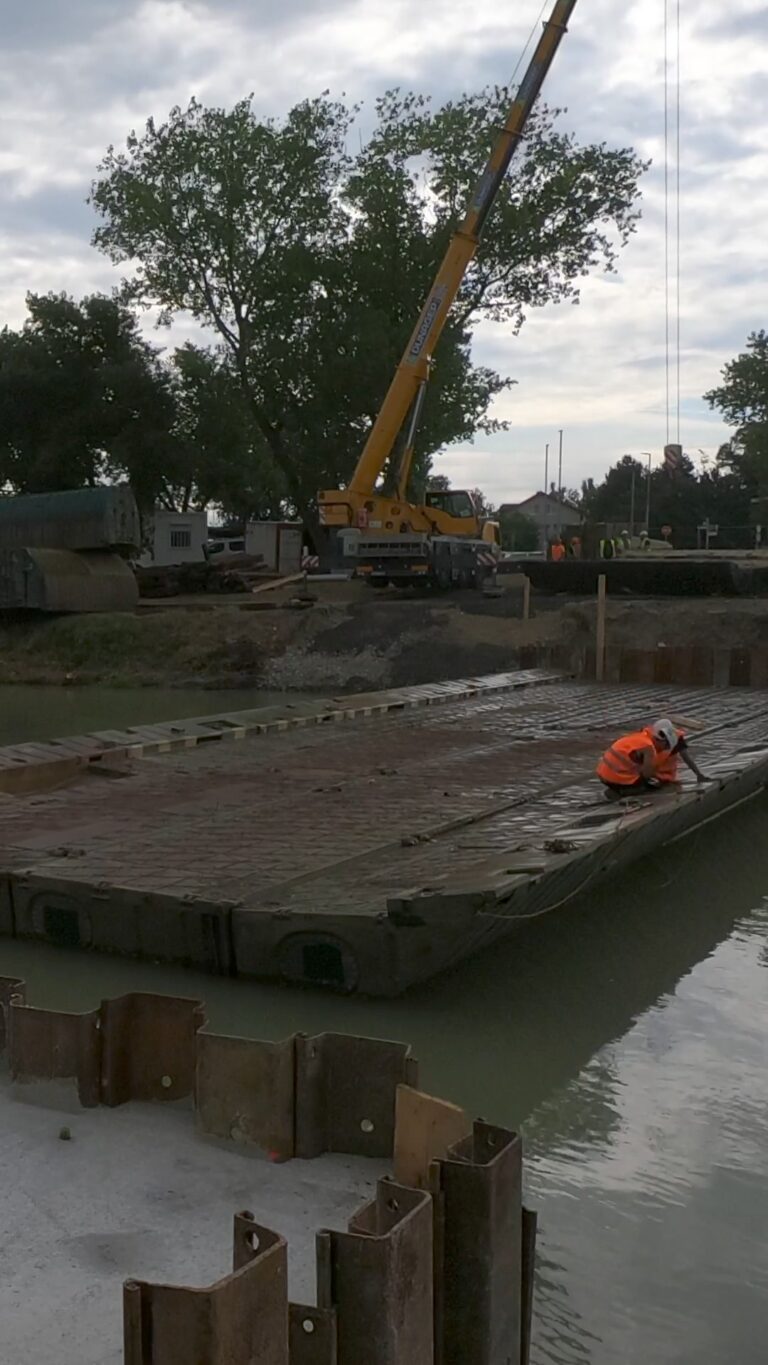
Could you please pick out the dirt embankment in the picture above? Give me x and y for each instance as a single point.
(349, 639)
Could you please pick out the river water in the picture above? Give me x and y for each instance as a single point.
(626, 1036)
(34, 713)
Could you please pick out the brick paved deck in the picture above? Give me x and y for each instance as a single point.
(362, 855)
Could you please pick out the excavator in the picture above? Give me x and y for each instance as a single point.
(374, 529)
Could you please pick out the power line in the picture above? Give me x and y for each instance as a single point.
(666, 210)
(672, 226)
(677, 199)
(536, 23)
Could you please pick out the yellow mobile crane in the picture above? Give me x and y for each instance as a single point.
(443, 540)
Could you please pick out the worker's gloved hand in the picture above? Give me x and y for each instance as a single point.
(653, 783)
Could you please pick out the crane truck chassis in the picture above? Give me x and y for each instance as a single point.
(417, 558)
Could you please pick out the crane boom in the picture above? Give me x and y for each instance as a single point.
(413, 370)
(443, 541)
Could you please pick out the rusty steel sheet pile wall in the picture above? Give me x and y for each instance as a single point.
(241, 1320)
(312, 1335)
(6, 908)
(479, 1233)
(245, 1092)
(11, 988)
(346, 1089)
(46, 1046)
(137, 1047)
(149, 1047)
(683, 665)
(299, 1097)
(437, 1270)
(379, 1278)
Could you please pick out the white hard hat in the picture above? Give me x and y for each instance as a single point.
(664, 729)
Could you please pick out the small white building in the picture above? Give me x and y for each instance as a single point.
(278, 542)
(174, 537)
(551, 514)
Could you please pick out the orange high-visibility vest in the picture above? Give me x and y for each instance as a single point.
(558, 552)
(666, 762)
(617, 765)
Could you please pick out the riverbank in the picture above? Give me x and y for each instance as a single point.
(351, 645)
(347, 639)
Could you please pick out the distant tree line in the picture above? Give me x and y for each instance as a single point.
(720, 490)
(304, 264)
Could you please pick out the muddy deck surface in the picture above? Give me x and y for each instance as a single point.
(407, 816)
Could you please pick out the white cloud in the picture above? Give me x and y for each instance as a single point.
(597, 370)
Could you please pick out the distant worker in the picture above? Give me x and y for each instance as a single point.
(645, 540)
(558, 550)
(576, 547)
(607, 548)
(646, 759)
(625, 541)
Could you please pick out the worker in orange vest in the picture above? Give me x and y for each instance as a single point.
(558, 550)
(646, 759)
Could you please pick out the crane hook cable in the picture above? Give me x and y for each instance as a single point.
(672, 226)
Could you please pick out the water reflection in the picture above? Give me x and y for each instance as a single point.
(35, 713)
(655, 1201)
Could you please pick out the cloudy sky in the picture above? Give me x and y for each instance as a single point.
(75, 76)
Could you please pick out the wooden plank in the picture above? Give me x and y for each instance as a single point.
(279, 583)
(425, 1128)
(600, 630)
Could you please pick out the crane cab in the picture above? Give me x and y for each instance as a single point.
(458, 505)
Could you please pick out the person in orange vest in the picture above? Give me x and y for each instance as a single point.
(558, 550)
(646, 759)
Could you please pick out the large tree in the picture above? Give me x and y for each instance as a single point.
(82, 397)
(742, 399)
(222, 457)
(311, 262)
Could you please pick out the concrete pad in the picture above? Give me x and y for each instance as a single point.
(136, 1192)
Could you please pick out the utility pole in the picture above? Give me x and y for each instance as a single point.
(648, 494)
(632, 503)
(546, 467)
(560, 466)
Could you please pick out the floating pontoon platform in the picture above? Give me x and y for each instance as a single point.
(361, 843)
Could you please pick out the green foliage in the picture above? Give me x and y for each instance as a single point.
(743, 395)
(742, 399)
(720, 491)
(221, 454)
(483, 506)
(312, 263)
(82, 397)
(518, 531)
(683, 500)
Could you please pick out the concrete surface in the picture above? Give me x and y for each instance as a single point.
(137, 1193)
